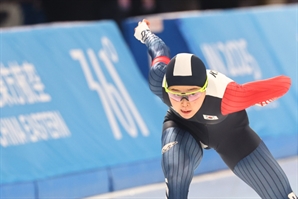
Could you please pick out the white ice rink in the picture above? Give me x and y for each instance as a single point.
(217, 185)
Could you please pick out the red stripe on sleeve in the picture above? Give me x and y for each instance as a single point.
(239, 97)
(163, 59)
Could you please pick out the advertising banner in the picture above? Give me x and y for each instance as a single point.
(72, 99)
(248, 46)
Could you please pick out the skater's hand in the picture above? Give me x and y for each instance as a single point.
(141, 30)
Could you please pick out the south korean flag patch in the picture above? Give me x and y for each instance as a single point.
(210, 117)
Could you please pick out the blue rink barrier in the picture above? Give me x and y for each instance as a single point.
(244, 44)
(251, 45)
(74, 111)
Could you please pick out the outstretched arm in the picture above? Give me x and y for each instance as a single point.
(239, 97)
(159, 53)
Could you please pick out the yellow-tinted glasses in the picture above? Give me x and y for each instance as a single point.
(189, 96)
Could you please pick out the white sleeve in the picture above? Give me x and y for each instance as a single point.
(217, 83)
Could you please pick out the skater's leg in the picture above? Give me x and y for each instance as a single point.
(181, 156)
(262, 172)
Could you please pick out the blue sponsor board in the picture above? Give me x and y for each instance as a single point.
(248, 46)
(73, 101)
(244, 44)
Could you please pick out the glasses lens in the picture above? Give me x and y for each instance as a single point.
(194, 96)
(191, 97)
(175, 97)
